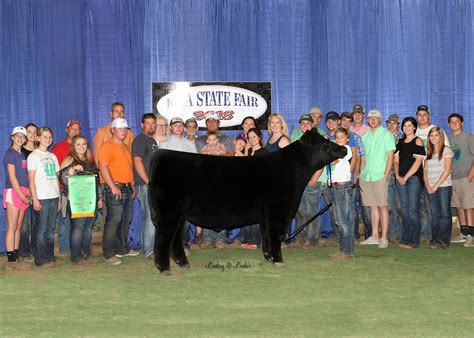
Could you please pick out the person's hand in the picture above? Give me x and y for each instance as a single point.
(26, 199)
(400, 180)
(59, 204)
(100, 204)
(116, 192)
(36, 205)
(134, 193)
(469, 178)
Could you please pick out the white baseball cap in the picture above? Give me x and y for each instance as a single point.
(19, 130)
(212, 116)
(374, 113)
(120, 123)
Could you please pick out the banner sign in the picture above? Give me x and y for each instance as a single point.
(82, 195)
(231, 102)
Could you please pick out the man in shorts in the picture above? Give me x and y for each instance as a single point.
(376, 164)
(462, 143)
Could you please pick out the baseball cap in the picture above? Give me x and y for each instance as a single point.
(393, 117)
(176, 120)
(191, 120)
(306, 117)
(374, 113)
(358, 108)
(332, 115)
(73, 122)
(120, 123)
(422, 107)
(212, 116)
(316, 110)
(346, 115)
(19, 130)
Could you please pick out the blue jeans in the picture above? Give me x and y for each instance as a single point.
(309, 206)
(425, 216)
(343, 199)
(147, 227)
(25, 248)
(211, 236)
(361, 210)
(119, 216)
(232, 235)
(43, 231)
(251, 234)
(441, 222)
(394, 227)
(64, 232)
(409, 196)
(81, 236)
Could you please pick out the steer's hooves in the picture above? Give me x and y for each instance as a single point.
(279, 264)
(165, 273)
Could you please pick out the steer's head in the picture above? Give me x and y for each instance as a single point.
(320, 150)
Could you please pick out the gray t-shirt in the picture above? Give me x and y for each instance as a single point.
(436, 168)
(143, 146)
(224, 139)
(178, 144)
(463, 148)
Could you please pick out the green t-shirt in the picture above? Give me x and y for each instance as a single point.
(376, 147)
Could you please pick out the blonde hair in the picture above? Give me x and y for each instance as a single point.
(284, 126)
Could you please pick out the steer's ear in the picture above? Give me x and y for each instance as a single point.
(311, 137)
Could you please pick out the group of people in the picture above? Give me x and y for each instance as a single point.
(387, 175)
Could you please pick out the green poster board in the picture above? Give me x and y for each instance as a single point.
(82, 196)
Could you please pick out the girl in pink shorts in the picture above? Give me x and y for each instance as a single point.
(16, 196)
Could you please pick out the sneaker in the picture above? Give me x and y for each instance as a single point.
(113, 260)
(220, 246)
(458, 239)
(370, 241)
(309, 244)
(130, 253)
(247, 246)
(405, 246)
(469, 242)
(383, 244)
(149, 255)
(27, 259)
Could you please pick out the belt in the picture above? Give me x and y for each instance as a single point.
(123, 185)
(338, 184)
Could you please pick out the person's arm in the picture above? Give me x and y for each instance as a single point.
(470, 175)
(104, 170)
(284, 141)
(34, 196)
(396, 169)
(446, 172)
(354, 159)
(140, 168)
(389, 164)
(15, 184)
(314, 179)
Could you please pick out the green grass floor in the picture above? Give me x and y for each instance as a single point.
(390, 292)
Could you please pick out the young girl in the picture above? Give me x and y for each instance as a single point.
(79, 162)
(24, 250)
(239, 146)
(437, 177)
(213, 146)
(343, 198)
(44, 187)
(251, 236)
(409, 177)
(16, 196)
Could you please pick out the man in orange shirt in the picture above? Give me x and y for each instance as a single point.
(115, 163)
(104, 134)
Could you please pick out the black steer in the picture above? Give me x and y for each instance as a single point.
(227, 192)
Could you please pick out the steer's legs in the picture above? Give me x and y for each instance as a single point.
(167, 227)
(266, 249)
(275, 241)
(177, 250)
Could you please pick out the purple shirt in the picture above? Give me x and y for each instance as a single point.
(19, 161)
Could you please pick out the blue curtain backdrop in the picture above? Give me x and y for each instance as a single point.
(63, 59)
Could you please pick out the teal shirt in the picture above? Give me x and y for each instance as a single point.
(297, 133)
(376, 147)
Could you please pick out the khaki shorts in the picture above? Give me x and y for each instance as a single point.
(375, 193)
(463, 194)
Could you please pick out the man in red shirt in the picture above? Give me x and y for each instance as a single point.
(61, 150)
